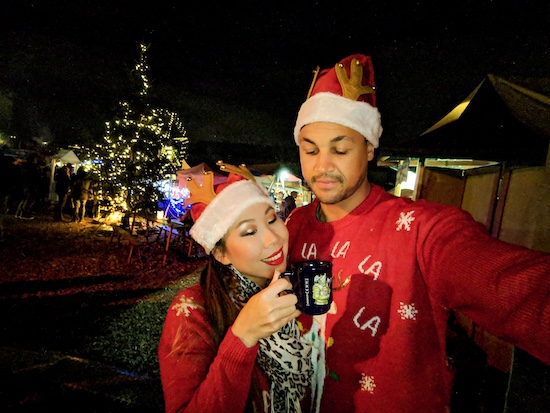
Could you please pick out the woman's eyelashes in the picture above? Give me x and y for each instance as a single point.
(251, 229)
(248, 232)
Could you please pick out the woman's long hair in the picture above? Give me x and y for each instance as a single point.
(216, 281)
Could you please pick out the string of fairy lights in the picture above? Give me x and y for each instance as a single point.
(142, 149)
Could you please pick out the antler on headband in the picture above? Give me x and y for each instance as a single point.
(352, 87)
(201, 193)
(241, 170)
(205, 193)
(315, 75)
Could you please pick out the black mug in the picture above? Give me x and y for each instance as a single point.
(312, 283)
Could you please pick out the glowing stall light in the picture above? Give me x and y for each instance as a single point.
(173, 208)
(180, 193)
(114, 216)
(283, 176)
(171, 191)
(410, 183)
(174, 198)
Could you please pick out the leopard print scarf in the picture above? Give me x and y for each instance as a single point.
(284, 358)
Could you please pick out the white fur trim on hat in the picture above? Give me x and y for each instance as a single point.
(329, 107)
(222, 212)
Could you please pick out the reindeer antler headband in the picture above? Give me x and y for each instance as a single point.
(346, 99)
(215, 210)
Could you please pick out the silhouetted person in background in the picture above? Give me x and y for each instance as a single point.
(30, 181)
(94, 197)
(62, 186)
(80, 194)
(43, 198)
(10, 172)
(289, 203)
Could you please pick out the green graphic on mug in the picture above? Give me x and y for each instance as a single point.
(321, 289)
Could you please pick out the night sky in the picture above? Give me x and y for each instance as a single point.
(65, 63)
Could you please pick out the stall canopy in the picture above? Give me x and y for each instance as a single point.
(66, 156)
(279, 178)
(499, 121)
(275, 173)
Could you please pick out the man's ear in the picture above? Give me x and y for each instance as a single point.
(221, 256)
(370, 153)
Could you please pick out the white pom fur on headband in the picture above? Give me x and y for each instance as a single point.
(222, 212)
(329, 107)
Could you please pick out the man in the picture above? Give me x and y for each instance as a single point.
(80, 194)
(62, 189)
(289, 204)
(399, 266)
(30, 181)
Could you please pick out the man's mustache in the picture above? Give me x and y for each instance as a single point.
(327, 176)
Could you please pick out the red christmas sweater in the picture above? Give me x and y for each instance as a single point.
(407, 263)
(197, 377)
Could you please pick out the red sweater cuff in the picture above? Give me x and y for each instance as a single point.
(234, 354)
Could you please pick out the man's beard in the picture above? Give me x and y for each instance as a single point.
(344, 193)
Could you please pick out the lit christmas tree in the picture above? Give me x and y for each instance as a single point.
(143, 148)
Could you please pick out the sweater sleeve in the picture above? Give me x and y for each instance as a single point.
(504, 288)
(195, 377)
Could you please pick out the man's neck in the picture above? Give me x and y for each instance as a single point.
(335, 212)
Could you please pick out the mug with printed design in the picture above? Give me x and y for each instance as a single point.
(312, 283)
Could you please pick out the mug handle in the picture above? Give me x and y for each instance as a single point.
(287, 274)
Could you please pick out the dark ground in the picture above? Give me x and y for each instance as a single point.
(79, 326)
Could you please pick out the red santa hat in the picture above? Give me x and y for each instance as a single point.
(344, 94)
(216, 209)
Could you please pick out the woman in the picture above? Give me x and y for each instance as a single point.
(230, 343)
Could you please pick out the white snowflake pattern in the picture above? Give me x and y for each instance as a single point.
(367, 383)
(407, 311)
(404, 221)
(185, 304)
